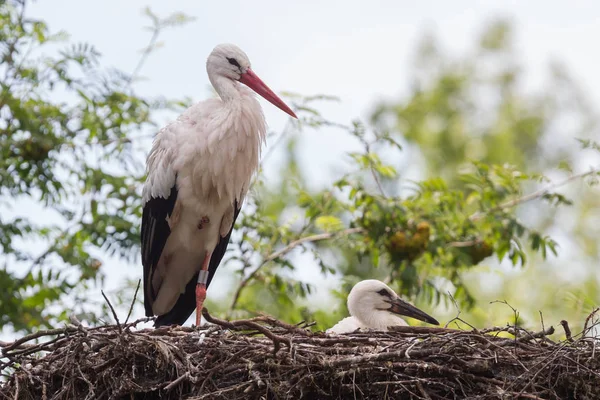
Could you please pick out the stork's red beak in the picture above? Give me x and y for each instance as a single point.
(250, 79)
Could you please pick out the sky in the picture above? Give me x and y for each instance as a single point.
(357, 50)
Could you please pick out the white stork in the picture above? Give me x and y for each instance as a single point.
(198, 173)
(373, 305)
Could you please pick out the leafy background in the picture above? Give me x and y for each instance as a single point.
(468, 187)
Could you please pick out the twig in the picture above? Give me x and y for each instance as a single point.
(367, 147)
(516, 321)
(245, 325)
(422, 330)
(514, 310)
(309, 239)
(422, 390)
(286, 130)
(536, 335)
(178, 381)
(532, 196)
(133, 301)
(288, 327)
(467, 243)
(45, 332)
(587, 320)
(147, 50)
(64, 232)
(565, 326)
(457, 318)
(114, 313)
(372, 168)
(377, 181)
(280, 253)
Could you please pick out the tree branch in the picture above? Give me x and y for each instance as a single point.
(312, 238)
(147, 50)
(532, 196)
(280, 253)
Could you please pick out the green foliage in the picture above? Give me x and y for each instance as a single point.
(66, 145)
(421, 243)
(428, 238)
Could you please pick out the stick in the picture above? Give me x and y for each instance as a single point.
(133, 301)
(285, 250)
(113, 311)
(532, 196)
(565, 326)
(248, 324)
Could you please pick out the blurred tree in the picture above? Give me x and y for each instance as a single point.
(66, 156)
(475, 107)
(484, 140)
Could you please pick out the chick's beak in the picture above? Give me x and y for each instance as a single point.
(401, 307)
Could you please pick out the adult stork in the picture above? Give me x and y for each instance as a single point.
(373, 305)
(198, 173)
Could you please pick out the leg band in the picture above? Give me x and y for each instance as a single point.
(203, 276)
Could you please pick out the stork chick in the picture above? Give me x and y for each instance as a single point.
(373, 305)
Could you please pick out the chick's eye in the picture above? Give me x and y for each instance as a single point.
(233, 61)
(384, 292)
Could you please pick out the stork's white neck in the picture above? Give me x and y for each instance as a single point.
(226, 88)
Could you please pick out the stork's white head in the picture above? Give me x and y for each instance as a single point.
(377, 306)
(229, 61)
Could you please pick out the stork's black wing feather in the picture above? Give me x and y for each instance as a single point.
(186, 303)
(155, 232)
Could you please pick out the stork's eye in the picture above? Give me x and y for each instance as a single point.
(385, 293)
(233, 61)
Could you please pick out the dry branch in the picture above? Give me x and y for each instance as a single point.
(266, 358)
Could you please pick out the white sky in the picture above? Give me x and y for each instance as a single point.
(357, 50)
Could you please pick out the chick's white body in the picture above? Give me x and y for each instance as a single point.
(374, 306)
(352, 324)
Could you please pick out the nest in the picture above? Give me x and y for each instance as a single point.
(268, 359)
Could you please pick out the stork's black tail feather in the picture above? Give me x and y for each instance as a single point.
(186, 303)
(185, 306)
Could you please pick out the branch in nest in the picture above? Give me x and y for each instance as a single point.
(41, 333)
(565, 326)
(114, 313)
(586, 326)
(246, 324)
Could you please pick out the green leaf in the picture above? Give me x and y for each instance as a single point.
(328, 223)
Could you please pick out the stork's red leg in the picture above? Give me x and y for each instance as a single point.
(201, 287)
